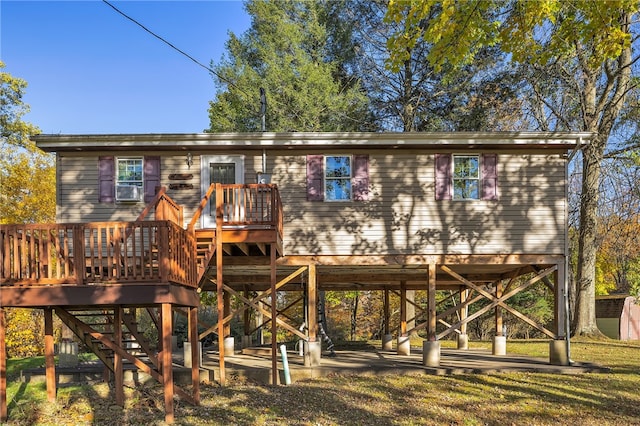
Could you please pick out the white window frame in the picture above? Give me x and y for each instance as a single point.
(327, 178)
(129, 182)
(477, 179)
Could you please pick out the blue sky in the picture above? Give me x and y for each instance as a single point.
(90, 70)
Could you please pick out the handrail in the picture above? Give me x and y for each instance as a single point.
(203, 203)
(165, 208)
(151, 204)
(152, 252)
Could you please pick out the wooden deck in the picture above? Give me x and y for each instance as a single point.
(105, 262)
(95, 275)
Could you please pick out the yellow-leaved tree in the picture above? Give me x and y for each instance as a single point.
(27, 195)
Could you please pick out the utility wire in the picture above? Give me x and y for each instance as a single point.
(211, 70)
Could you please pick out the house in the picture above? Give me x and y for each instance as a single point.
(618, 316)
(157, 218)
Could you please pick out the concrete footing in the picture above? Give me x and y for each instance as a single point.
(431, 353)
(229, 346)
(558, 354)
(387, 342)
(499, 345)
(187, 354)
(312, 354)
(404, 345)
(463, 341)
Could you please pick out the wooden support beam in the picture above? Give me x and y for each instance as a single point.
(227, 312)
(312, 303)
(118, 368)
(560, 302)
(265, 312)
(499, 301)
(274, 313)
(464, 309)
(49, 360)
(498, 312)
(255, 300)
(431, 304)
(387, 313)
(246, 317)
(195, 354)
(3, 367)
(167, 363)
(220, 282)
(403, 308)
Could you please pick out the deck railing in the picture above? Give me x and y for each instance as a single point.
(147, 251)
(249, 205)
(144, 251)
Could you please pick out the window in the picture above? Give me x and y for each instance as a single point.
(337, 178)
(466, 177)
(128, 178)
(129, 181)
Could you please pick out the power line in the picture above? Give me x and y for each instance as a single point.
(211, 70)
(200, 64)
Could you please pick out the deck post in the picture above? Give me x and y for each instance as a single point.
(387, 339)
(49, 360)
(219, 283)
(313, 347)
(229, 341)
(404, 343)
(431, 346)
(195, 353)
(167, 362)
(3, 368)
(431, 303)
(274, 314)
(246, 322)
(559, 349)
(463, 337)
(118, 369)
(499, 340)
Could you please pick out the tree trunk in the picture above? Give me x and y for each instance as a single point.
(585, 317)
(600, 112)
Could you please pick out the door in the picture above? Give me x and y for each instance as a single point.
(224, 169)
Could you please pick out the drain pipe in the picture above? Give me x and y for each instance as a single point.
(285, 365)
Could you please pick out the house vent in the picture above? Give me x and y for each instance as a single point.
(127, 193)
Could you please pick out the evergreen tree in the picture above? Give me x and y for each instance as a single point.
(287, 52)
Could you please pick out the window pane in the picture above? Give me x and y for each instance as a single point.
(338, 190)
(130, 171)
(224, 173)
(466, 177)
(466, 167)
(465, 189)
(338, 167)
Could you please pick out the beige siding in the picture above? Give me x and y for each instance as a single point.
(401, 216)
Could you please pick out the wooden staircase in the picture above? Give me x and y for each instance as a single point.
(99, 332)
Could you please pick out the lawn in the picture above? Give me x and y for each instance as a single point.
(496, 399)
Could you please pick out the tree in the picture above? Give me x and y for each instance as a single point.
(588, 46)
(415, 96)
(287, 52)
(27, 175)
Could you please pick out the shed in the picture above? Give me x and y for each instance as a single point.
(618, 316)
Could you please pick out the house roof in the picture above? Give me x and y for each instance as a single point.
(295, 140)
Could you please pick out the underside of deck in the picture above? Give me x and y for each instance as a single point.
(112, 269)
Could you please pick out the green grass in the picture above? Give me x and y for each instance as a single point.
(493, 399)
